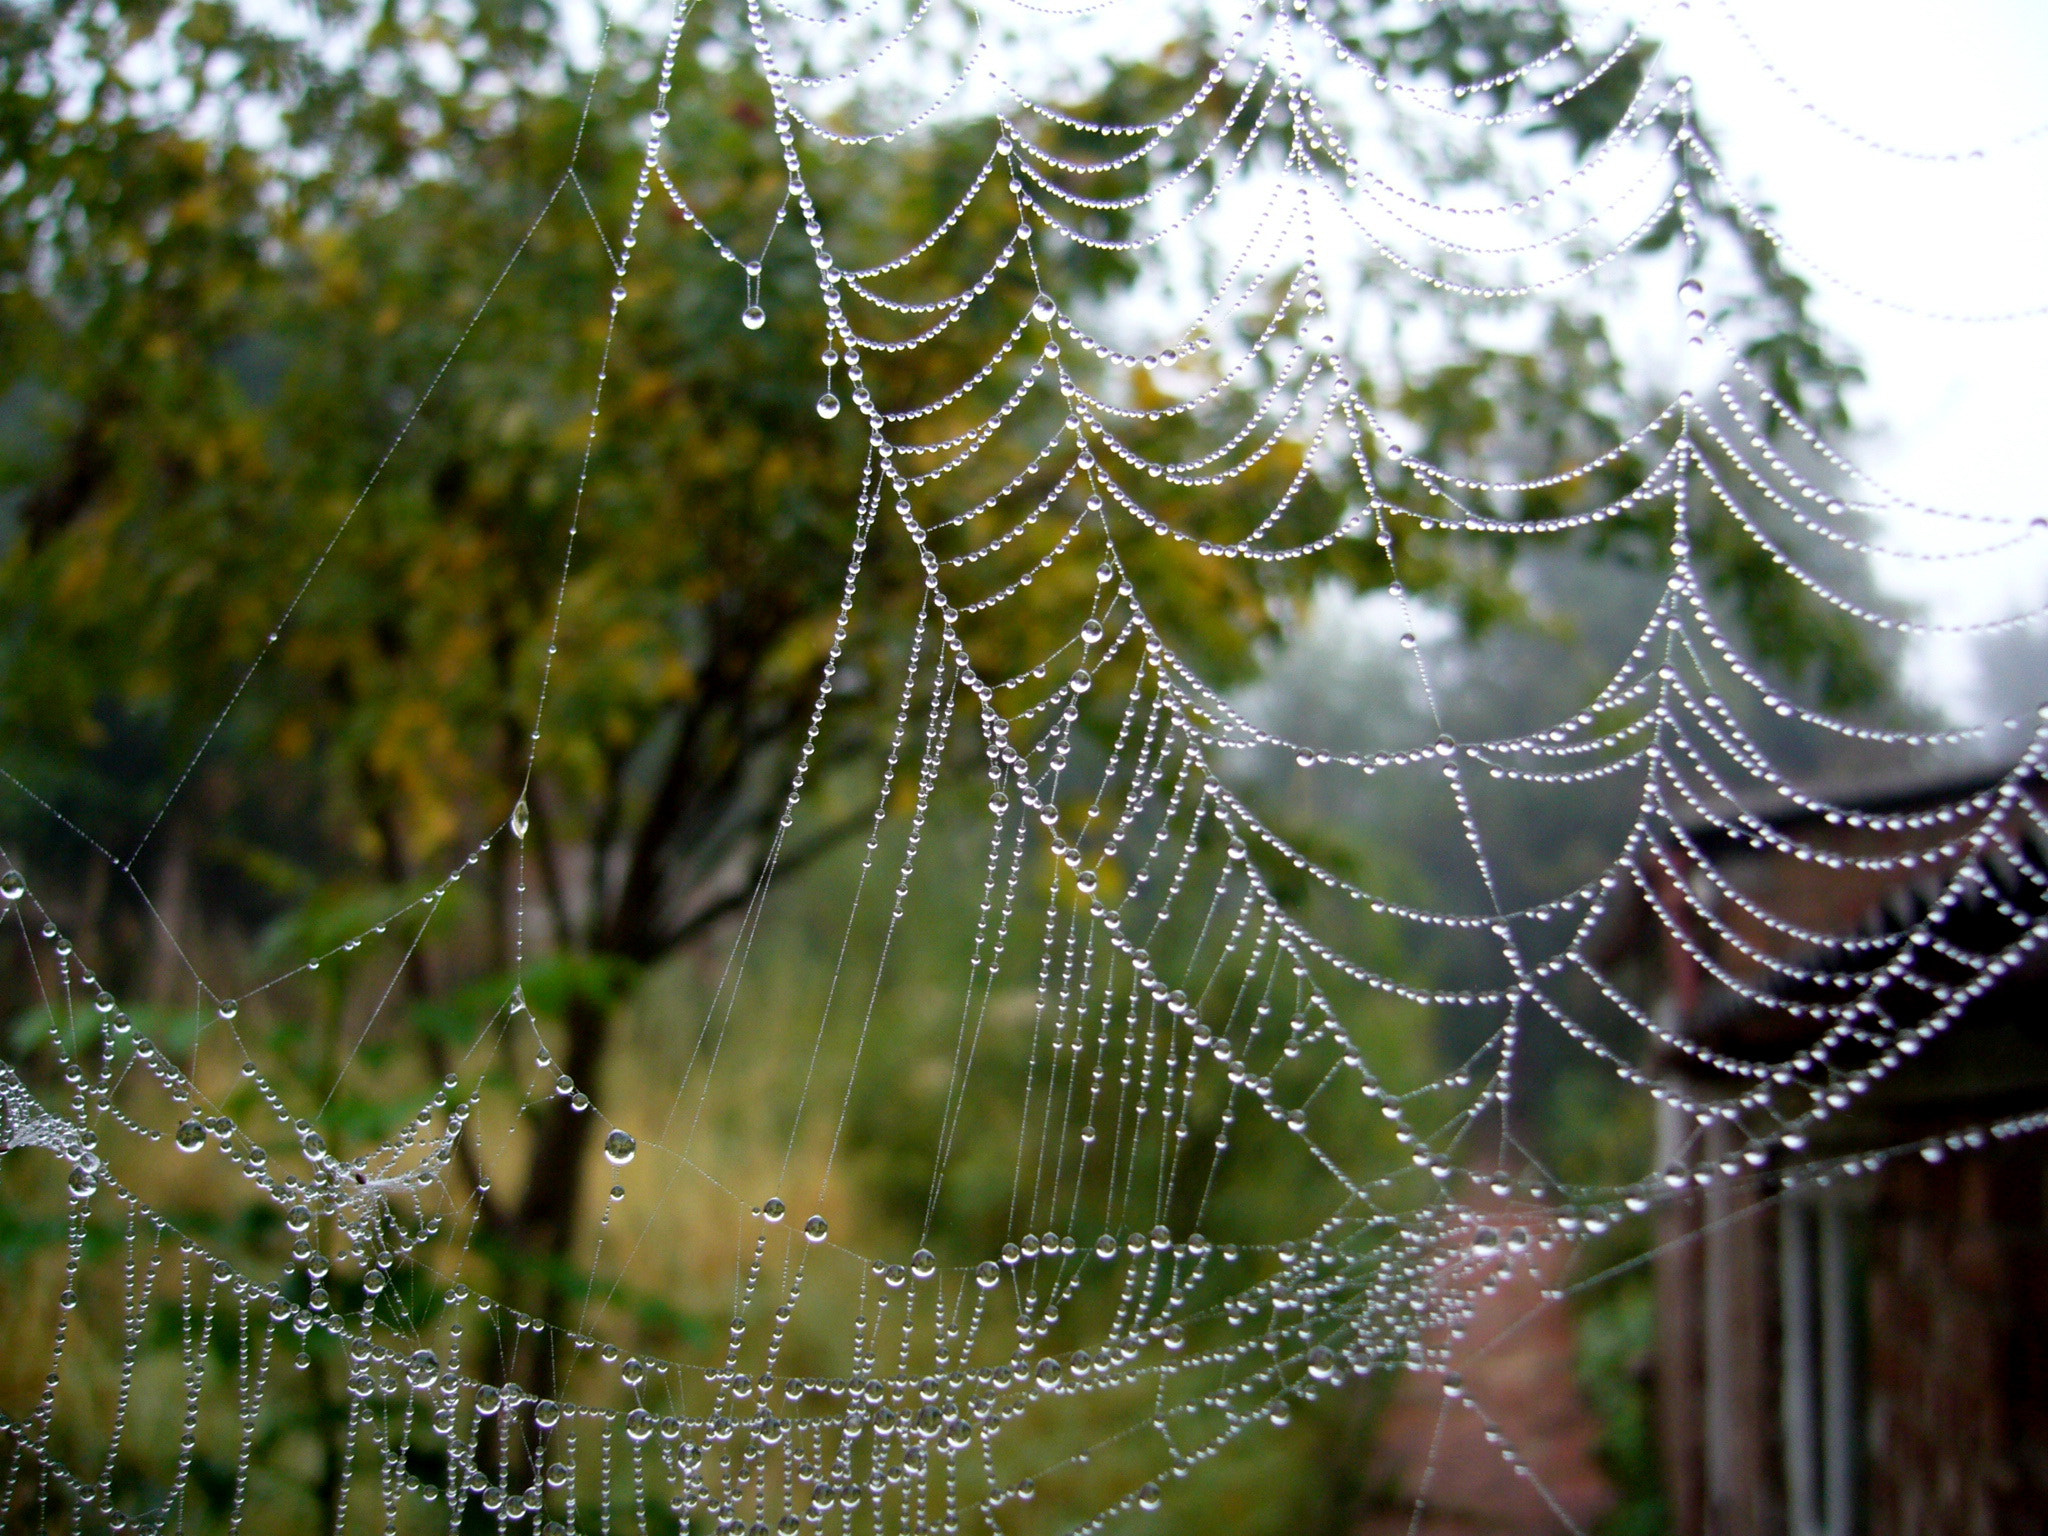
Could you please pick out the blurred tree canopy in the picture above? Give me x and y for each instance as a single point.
(302, 316)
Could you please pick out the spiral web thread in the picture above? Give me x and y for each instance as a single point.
(1130, 892)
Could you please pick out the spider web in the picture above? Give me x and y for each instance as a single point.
(1183, 1014)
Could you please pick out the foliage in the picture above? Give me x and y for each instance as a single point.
(303, 317)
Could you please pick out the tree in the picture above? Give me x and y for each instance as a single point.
(316, 339)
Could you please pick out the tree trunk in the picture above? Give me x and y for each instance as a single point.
(544, 1225)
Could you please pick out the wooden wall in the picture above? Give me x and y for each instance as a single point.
(1958, 1345)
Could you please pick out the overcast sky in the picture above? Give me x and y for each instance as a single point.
(1952, 411)
(1955, 409)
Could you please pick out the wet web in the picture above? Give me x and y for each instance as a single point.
(1181, 1011)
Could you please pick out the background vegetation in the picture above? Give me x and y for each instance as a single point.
(301, 315)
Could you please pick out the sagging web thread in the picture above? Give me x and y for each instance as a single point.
(1133, 887)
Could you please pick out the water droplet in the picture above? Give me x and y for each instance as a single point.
(1148, 1496)
(893, 1277)
(520, 820)
(298, 1218)
(1043, 308)
(1081, 682)
(753, 317)
(1106, 1246)
(924, 1264)
(816, 1230)
(423, 1367)
(987, 1273)
(639, 1426)
(1322, 1362)
(313, 1144)
(828, 405)
(12, 885)
(228, 1009)
(191, 1136)
(619, 1148)
(772, 1209)
(1486, 1241)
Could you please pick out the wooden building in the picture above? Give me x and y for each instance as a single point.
(1865, 1355)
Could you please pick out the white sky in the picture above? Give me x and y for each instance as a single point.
(1951, 410)
(1955, 409)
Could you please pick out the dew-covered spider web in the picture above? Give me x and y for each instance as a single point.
(1164, 1000)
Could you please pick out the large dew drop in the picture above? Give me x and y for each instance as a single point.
(12, 885)
(619, 1148)
(520, 819)
(816, 1230)
(828, 405)
(191, 1136)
